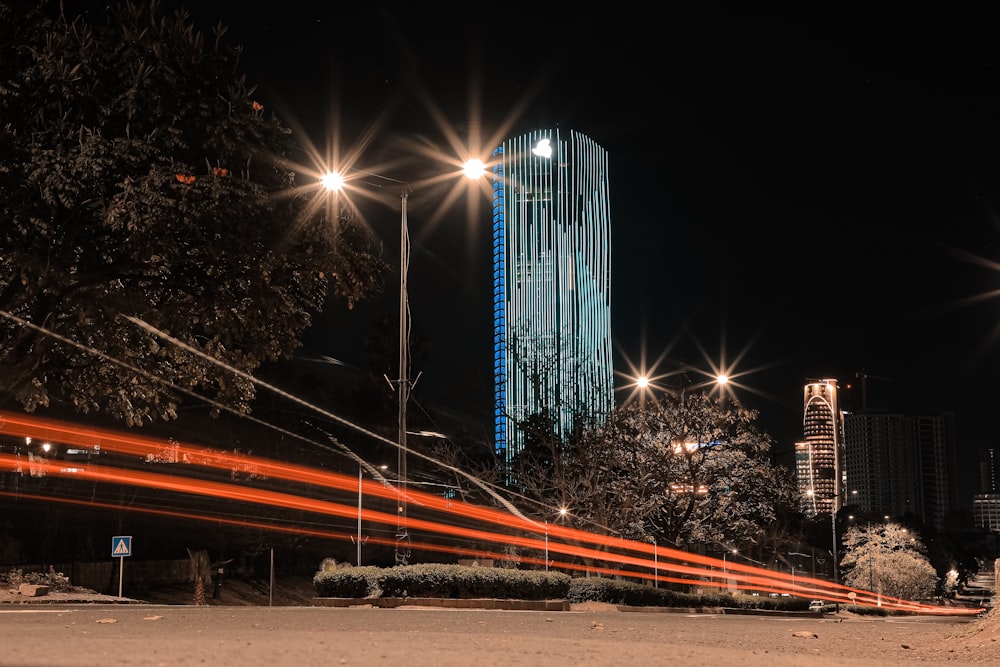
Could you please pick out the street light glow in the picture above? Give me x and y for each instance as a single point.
(474, 169)
(332, 181)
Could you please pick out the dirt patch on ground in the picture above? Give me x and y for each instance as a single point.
(593, 606)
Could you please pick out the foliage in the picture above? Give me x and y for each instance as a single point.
(687, 470)
(56, 581)
(888, 559)
(442, 581)
(349, 582)
(140, 177)
(615, 591)
(457, 582)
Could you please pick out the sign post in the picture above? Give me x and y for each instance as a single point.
(121, 546)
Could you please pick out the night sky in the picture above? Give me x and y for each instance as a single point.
(801, 195)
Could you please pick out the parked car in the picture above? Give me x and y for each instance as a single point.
(817, 605)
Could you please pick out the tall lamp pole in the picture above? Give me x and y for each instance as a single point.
(833, 525)
(359, 515)
(402, 537)
(335, 181)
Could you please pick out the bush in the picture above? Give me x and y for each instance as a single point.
(615, 591)
(441, 581)
(56, 581)
(459, 581)
(436, 580)
(351, 582)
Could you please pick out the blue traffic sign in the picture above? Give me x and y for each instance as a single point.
(121, 546)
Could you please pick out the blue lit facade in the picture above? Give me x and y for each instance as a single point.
(552, 347)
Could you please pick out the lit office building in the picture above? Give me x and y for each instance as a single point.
(818, 457)
(552, 351)
(986, 511)
(989, 470)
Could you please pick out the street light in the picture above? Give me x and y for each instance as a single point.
(724, 552)
(334, 182)
(833, 528)
(561, 513)
(360, 468)
(656, 566)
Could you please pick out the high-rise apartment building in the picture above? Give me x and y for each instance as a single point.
(881, 463)
(552, 351)
(986, 511)
(989, 470)
(898, 464)
(986, 504)
(818, 457)
(933, 438)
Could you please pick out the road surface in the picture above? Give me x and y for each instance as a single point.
(127, 635)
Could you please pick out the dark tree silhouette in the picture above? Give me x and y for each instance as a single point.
(140, 177)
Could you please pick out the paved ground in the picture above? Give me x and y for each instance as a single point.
(56, 635)
(81, 628)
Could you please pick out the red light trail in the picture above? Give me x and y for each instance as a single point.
(655, 561)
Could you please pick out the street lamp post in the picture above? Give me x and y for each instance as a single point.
(334, 181)
(360, 540)
(359, 515)
(656, 567)
(402, 538)
(546, 546)
(833, 525)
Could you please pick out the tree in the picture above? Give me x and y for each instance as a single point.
(689, 470)
(888, 559)
(142, 181)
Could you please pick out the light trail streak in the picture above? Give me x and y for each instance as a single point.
(487, 488)
(754, 578)
(143, 446)
(759, 579)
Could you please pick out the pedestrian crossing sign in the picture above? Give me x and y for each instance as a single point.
(121, 546)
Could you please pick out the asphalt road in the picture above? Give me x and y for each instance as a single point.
(126, 635)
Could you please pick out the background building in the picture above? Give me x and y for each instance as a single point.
(989, 470)
(899, 464)
(986, 511)
(552, 349)
(881, 467)
(986, 504)
(818, 456)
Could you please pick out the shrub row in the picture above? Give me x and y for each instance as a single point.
(462, 582)
(441, 581)
(617, 591)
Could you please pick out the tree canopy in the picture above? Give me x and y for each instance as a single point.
(888, 559)
(690, 470)
(142, 180)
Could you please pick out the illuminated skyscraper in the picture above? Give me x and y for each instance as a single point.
(552, 350)
(818, 458)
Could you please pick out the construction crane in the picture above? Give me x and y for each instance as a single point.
(863, 377)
